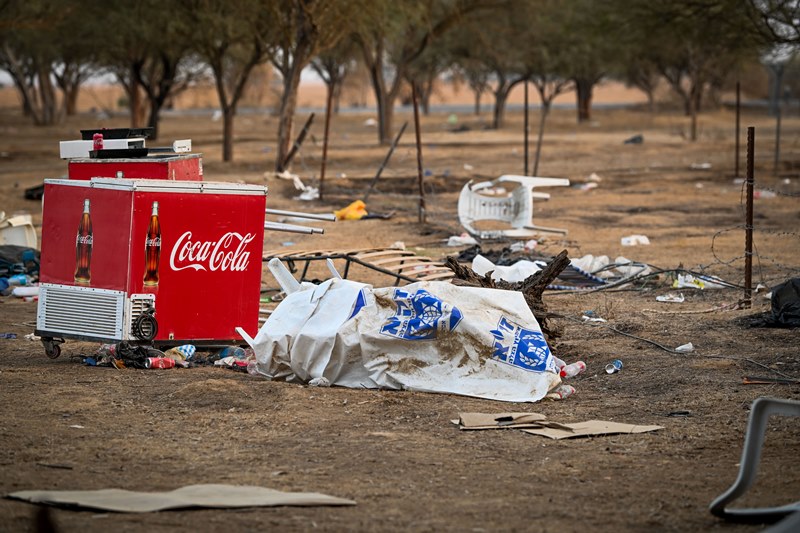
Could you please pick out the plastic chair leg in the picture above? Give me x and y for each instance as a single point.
(751, 455)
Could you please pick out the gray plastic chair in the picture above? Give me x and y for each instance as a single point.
(760, 412)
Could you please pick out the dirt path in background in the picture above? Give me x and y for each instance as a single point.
(68, 426)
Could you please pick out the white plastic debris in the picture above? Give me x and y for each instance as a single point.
(671, 298)
(635, 240)
(519, 271)
(461, 240)
(320, 382)
(685, 348)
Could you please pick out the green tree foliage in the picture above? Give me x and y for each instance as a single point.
(44, 47)
(147, 48)
(233, 41)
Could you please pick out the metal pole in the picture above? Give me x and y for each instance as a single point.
(777, 137)
(419, 156)
(296, 146)
(738, 111)
(748, 236)
(526, 127)
(325, 140)
(385, 162)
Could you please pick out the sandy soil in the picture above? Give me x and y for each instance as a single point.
(396, 453)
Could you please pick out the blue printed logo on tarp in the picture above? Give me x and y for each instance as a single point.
(420, 315)
(361, 301)
(520, 347)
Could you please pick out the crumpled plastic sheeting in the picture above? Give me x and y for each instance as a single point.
(785, 306)
(427, 336)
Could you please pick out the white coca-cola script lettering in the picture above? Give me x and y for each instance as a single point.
(227, 253)
(87, 239)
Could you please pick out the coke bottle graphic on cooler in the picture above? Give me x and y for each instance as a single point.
(83, 247)
(152, 249)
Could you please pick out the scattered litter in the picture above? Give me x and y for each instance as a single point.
(320, 382)
(636, 139)
(685, 348)
(763, 193)
(635, 240)
(700, 166)
(671, 298)
(311, 193)
(32, 337)
(355, 211)
(465, 239)
(537, 424)
(614, 366)
(8, 335)
(519, 271)
(199, 496)
(398, 245)
(688, 281)
(573, 369)
(76, 426)
(682, 413)
(760, 380)
(785, 306)
(452, 119)
(370, 122)
(594, 177)
(181, 353)
(468, 167)
(527, 246)
(590, 318)
(588, 186)
(216, 116)
(562, 392)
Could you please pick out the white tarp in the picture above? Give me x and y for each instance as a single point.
(427, 336)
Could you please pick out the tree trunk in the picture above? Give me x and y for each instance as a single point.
(291, 82)
(499, 115)
(583, 92)
(478, 102)
(694, 104)
(49, 114)
(543, 116)
(153, 118)
(228, 112)
(71, 98)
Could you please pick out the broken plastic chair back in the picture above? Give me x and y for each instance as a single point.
(490, 201)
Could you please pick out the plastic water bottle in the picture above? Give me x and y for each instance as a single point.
(561, 392)
(572, 370)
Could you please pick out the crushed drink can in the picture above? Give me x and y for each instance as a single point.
(614, 366)
(159, 362)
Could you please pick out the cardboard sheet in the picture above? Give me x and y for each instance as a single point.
(590, 428)
(469, 421)
(537, 424)
(200, 496)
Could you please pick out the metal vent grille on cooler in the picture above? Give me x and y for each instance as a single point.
(137, 305)
(80, 311)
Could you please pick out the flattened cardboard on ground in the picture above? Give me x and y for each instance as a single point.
(590, 428)
(202, 496)
(498, 420)
(537, 424)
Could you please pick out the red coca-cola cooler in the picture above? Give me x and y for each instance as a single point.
(161, 262)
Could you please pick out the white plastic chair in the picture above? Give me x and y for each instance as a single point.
(760, 412)
(490, 201)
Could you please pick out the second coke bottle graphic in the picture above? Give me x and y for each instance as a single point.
(152, 249)
(83, 247)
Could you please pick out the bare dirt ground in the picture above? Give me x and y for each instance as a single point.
(396, 453)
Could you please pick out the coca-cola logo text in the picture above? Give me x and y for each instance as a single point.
(84, 239)
(227, 253)
(153, 242)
